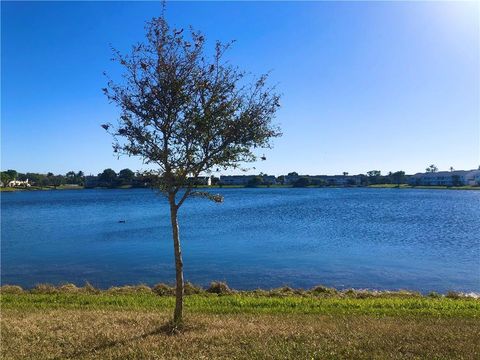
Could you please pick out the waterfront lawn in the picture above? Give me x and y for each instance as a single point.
(432, 187)
(108, 325)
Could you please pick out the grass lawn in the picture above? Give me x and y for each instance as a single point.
(123, 325)
(405, 186)
(43, 188)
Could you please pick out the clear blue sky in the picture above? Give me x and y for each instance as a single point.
(366, 85)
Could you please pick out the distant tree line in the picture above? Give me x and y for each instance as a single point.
(43, 180)
(107, 178)
(127, 177)
(373, 177)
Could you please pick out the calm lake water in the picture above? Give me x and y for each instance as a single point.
(363, 238)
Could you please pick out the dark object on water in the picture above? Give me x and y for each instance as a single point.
(121, 221)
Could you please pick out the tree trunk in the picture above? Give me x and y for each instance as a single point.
(178, 313)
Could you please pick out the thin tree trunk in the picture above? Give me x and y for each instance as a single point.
(178, 313)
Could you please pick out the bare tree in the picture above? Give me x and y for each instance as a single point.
(185, 113)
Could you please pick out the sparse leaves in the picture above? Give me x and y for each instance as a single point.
(186, 112)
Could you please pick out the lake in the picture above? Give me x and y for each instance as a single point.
(425, 240)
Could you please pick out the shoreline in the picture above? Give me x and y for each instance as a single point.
(128, 187)
(221, 288)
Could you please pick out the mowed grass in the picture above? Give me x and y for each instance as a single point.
(251, 304)
(132, 324)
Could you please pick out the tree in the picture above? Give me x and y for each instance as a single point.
(80, 178)
(431, 169)
(374, 176)
(255, 181)
(374, 173)
(70, 175)
(34, 178)
(126, 176)
(7, 176)
(184, 113)
(345, 173)
(108, 177)
(57, 180)
(398, 177)
(302, 182)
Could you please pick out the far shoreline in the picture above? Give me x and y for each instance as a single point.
(129, 187)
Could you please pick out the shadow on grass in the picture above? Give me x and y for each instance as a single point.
(167, 329)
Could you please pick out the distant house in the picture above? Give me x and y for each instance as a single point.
(269, 179)
(446, 178)
(332, 180)
(343, 180)
(476, 177)
(18, 183)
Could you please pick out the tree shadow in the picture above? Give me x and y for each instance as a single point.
(168, 329)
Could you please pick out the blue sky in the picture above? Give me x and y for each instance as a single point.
(366, 85)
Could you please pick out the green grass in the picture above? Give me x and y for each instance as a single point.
(389, 186)
(467, 187)
(251, 304)
(405, 186)
(7, 189)
(43, 188)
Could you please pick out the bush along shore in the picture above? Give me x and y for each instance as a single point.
(222, 288)
(131, 322)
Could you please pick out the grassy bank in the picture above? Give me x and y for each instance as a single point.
(42, 188)
(405, 186)
(251, 304)
(320, 323)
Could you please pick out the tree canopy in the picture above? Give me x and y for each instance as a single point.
(185, 112)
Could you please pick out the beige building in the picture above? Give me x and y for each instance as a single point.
(446, 178)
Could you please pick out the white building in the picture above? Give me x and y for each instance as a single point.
(476, 178)
(446, 178)
(18, 183)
